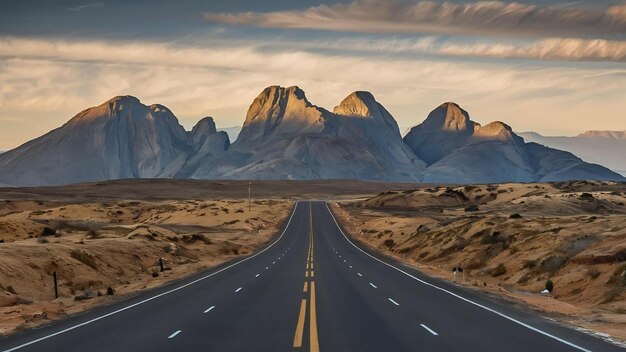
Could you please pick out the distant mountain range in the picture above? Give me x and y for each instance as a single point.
(602, 147)
(284, 136)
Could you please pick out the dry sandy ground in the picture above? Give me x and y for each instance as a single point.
(96, 245)
(510, 239)
(111, 234)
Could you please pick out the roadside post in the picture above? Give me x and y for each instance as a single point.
(56, 285)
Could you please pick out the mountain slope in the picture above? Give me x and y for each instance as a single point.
(601, 147)
(120, 138)
(459, 150)
(284, 136)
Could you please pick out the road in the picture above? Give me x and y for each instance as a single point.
(311, 289)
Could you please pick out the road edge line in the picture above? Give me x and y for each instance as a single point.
(530, 327)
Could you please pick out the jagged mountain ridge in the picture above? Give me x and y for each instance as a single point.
(459, 150)
(285, 136)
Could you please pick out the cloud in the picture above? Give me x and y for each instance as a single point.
(493, 18)
(45, 82)
(86, 6)
(548, 49)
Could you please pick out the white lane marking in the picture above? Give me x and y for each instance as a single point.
(350, 266)
(429, 329)
(174, 334)
(359, 274)
(267, 267)
(257, 275)
(459, 296)
(208, 310)
(239, 289)
(156, 296)
(374, 286)
(344, 260)
(394, 302)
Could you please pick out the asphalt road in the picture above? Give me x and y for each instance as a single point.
(311, 289)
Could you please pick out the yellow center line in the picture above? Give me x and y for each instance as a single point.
(306, 286)
(306, 273)
(297, 340)
(312, 274)
(314, 343)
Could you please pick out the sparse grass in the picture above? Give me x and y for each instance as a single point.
(612, 294)
(85, 258)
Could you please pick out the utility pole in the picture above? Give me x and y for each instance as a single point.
(249, 194)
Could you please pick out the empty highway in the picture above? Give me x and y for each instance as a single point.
(311, 289)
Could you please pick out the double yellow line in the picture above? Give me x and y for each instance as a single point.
(309, 286)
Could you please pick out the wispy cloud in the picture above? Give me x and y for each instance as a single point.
(493, 18)
(85, 6)
(47, 81)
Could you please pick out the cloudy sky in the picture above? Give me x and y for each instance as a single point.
(550, 66)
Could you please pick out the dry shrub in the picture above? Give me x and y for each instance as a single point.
(85, 258)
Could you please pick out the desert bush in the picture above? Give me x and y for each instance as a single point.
(529, 264)
(10, 289)
(42, 240)
(389, 243)
(553, 263)
(613, 293)
(85, 258)
(587, 196)
(472, 208)
(48, 231)
(515, 216)
(513, 250)
(549, 285)
(593, 273)
(93, 234)
(499, 270)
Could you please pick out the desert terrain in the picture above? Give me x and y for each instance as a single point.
(97, 236)
(510, 239)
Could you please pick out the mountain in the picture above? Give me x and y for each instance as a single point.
(284, 136)
(233, 132)
(459, 150)
(602, 147)
(120, 138)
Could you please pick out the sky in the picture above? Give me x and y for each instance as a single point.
(554, 67)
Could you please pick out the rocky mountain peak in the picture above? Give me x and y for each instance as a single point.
(449, 117)
(206, 126)
(359, 103)
(281, 111)
(495, 130)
